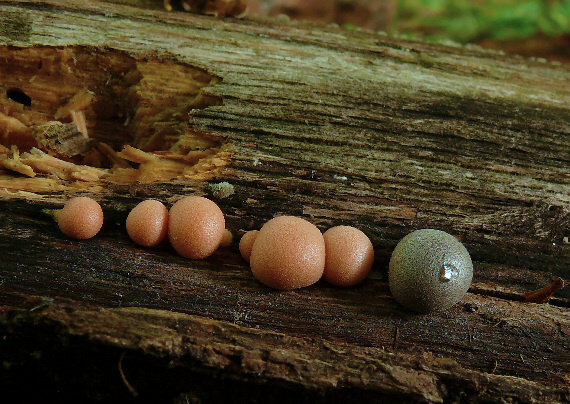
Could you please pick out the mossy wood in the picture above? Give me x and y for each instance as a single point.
(341, 127)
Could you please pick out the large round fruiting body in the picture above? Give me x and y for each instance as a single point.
(147, 223)
(196, 227)
(430, 270)
(288, 253)
(349, 256)
(80, 218)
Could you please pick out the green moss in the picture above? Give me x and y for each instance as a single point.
(465, 20)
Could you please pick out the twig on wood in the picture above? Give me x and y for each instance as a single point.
(498, 322)
(396, 337)
(542, 295)
(133, 391)
(44, 302)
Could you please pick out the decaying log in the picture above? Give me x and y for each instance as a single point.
(384, 133)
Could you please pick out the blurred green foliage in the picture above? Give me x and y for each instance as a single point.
(469, 20)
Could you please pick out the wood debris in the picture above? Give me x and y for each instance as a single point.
(15, 164)
(544, 294)
(152, 167)
(81, 100)
(74, 110)
(78, 118)
(111, 155)
(166, 165)
(44, 163)
(14, 132)
(71, 127)
(63, 139)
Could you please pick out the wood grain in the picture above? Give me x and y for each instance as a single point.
(341, 127)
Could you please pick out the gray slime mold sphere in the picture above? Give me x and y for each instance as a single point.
(430, 270)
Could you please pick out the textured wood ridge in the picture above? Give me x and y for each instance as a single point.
(341, 127)
(174, 347)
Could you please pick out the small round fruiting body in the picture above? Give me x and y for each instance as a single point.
(349, 256)
(288, 253)
(81, 218)
(196, 227)
(430, 270)
(227, 239)
(147, 223)
(246, 243)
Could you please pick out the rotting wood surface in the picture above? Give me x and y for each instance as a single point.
(341, 127)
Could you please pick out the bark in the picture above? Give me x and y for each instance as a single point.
(384, 133)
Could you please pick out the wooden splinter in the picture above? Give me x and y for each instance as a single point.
(544, 294)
